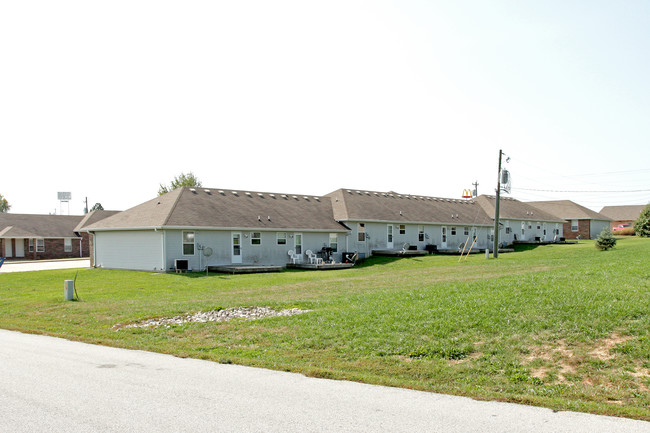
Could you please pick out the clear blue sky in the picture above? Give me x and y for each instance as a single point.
(109, 99)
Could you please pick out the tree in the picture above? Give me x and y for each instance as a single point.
(642, 224)
(4, 205)
(605, 240)
(183, 180)
(97, 206)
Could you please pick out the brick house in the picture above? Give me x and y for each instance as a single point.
(579, 221)
(622, 214)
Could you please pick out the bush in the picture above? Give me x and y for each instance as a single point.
(642, 224)
(627, 231)
(605, 240)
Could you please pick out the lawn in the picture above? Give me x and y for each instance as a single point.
(561, 326)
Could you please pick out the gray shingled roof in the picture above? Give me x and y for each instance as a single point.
(357, 205)
(38, 226)
(92, 217)
(568, 210)
(510, 208)
(230, 209)
(623, 213)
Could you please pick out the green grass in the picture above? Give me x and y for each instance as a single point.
(561, 326)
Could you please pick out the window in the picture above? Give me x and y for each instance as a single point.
(334, 242)
(188, 243)
(67, 245)
(297, 243)
(507, 230)
(256, 238)
(421, 233)
(539, 226)
(281, 238)
(453, 231)
(40, 245)
(574, 225)
(31, 245)
(402, 229)
(361, 230)
(465, 231)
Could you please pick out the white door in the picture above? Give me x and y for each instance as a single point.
(389, 236)
(297, 244)
(20, 247)
(236, 248)
(443, 242)
(9, 252)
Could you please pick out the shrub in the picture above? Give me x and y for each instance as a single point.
(642, 224)
(627, 231)
(605, 240)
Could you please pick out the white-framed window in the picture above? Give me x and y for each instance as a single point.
(574, 225)
(256, 238)
(420, 233)
(334, 242)
(361, 232)
(465, 231)
(453, 231)
(402, 229)
(297, 243)
(67, 245)
(40, 245)
(31, 245)
(188, 243)
(281, 238)
(507, 228)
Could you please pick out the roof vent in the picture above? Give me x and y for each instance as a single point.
(268, 218)
(284, 196)
(249, 194)
(193, 190)
(207, 191)
(221, 192)
(259, 218)
(260, 194)
(295, 197)
(272, 195)
(317, 198)
(234, 192)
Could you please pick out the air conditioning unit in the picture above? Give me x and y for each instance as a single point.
(181, 265)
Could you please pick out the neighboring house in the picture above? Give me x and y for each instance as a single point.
(240, 227)
(35, 237)
(622, 214)
(579, 220)
(520, 221)
(388, 220)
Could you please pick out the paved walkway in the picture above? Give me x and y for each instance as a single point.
(40, 265)
(55, 385)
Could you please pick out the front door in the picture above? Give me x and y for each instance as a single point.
(389, 236)
(443, 242)
(9, 252)
(236, 247)
(297, 244)
(20, 247)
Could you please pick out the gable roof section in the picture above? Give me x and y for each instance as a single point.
(568, 210)
(391, 207)
(92, 217)
(38, 226)
(623, 213)
(226, 209)
(510, 208)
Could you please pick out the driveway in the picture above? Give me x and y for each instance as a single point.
(54, 385)
(40, 265)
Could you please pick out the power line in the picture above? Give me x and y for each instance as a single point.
(582, 192)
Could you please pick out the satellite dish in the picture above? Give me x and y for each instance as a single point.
(207, 251)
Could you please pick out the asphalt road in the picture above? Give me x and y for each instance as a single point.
(55, 385)
(40, 265)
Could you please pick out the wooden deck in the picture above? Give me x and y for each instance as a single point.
(399, 253)
(244, 269)
(544, 242)
(321, 267)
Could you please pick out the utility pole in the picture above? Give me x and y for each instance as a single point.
(496, 210)
(475, 192)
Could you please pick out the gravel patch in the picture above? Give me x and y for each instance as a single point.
(246, 313)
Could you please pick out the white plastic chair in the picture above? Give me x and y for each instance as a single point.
(295, 258)
(313, 258)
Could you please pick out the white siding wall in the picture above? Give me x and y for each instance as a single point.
(268, 252)
(137, 250)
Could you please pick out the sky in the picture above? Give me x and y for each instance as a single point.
(108, 100)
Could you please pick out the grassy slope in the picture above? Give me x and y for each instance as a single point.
(563, 326)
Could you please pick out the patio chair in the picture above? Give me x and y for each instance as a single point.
(295, 258)
(313, 258)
